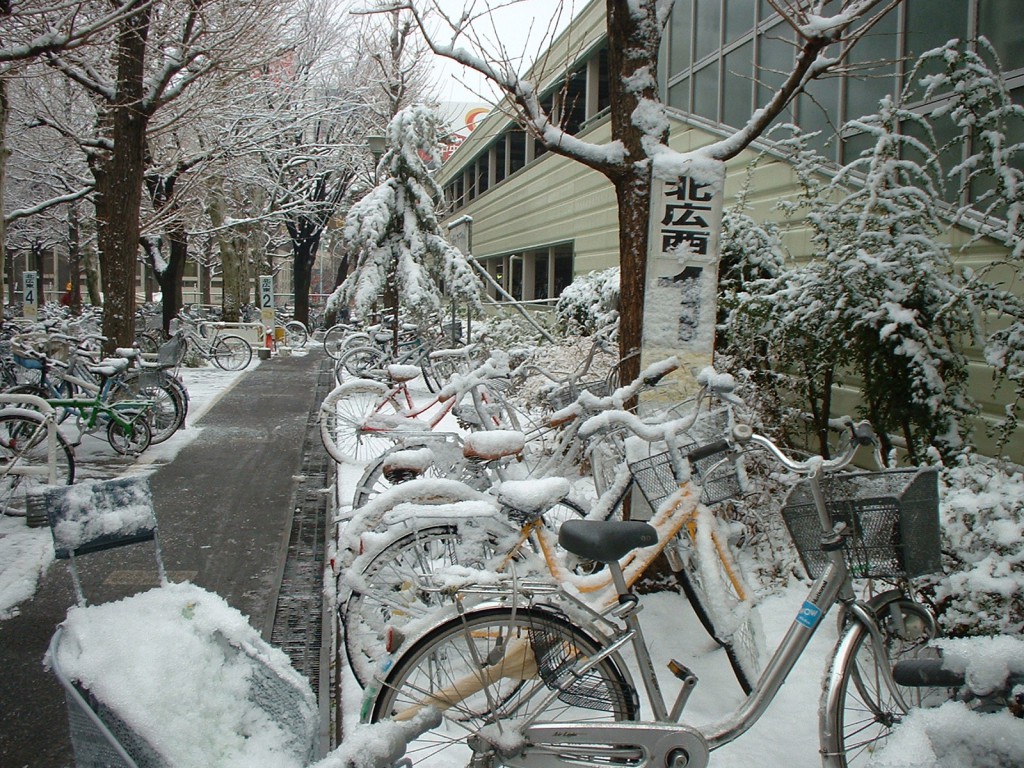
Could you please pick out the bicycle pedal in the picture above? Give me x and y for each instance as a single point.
(682, 672)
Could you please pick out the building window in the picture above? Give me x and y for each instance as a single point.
(516, 149)
(500, 159)
(563, 271)
(738, 85)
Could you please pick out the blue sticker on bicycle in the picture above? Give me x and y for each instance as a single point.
(809, 615)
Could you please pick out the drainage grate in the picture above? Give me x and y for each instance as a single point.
(298, 625)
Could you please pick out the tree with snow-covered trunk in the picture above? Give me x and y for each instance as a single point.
(33, 32)
(825, 33)
(394, 236)
(158, 53)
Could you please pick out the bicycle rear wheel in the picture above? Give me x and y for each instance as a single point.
(499, 666)
(344, 429)
(232, 353)
(395, 587)
(130, 439)
(170, 404)
(24, 463)
(858, 709)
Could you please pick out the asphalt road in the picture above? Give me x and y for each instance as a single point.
(224, 506)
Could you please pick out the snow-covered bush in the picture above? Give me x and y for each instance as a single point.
(968, 82)
(882, 304)
(589, 303)
(982, 521)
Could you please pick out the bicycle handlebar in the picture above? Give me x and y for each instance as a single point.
(588, 402)
(861, 433)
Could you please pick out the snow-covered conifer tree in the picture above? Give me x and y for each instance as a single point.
(392, 234)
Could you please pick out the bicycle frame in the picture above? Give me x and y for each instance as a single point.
(442, 404)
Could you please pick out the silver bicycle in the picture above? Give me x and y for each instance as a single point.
(531, 677)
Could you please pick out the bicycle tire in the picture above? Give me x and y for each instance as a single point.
(296, 335)
(334, 338)
(231, 353)
(858, 711)
(342, 416)
(438, 371)
(451, 652)
(169, 406)
(362, 363)
(714, 584)
(23, 455)
(130, 444)
(388, 596)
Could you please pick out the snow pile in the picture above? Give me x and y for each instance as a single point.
(982, 515)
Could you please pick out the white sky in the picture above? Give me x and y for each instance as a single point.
(524, 33)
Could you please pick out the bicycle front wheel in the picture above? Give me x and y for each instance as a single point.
(24, 463)
(295, 334)
(334, 339)
(499, 667)
(858, 708)
(232, 353)
(361, 363)
(345, 429)
(720, 596)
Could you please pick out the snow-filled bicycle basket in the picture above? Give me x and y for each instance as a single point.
(716, 473)
(132, 704)
(891, 517)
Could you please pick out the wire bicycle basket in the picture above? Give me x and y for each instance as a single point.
(716, 474)
(891, 517)
(558, 659)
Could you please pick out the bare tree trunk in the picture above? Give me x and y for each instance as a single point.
(119, 180)
(632, 181)
(233, 257)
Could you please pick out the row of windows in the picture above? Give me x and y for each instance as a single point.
(535, 275)
(727, 58)
(580, 97)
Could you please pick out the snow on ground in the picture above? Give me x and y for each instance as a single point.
(26, 553)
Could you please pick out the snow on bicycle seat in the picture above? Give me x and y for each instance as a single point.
(492, 444)
(109, 366)
(605, 541)
(533, 497)
(403, 373)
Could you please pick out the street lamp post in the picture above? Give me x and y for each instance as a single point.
(377, 145)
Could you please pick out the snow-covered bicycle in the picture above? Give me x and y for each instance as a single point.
(533, 677)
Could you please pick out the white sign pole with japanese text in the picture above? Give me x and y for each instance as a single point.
(267, 316)
(681, 301)
(30, 295)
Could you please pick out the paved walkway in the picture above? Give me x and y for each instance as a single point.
(226, 508)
